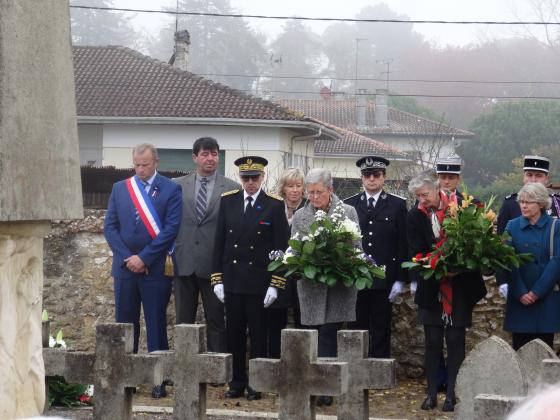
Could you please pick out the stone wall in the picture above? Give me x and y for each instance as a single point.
(78, 293)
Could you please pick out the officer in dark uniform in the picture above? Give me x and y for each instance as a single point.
(448, 170)
(251, 223)
(383, 224)
(535, 169)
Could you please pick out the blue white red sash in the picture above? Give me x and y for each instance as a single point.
(143, 206)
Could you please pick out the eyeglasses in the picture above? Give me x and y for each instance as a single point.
(246, 178)
(316, 193)
(376, 174)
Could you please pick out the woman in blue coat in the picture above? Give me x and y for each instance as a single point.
(533, 301)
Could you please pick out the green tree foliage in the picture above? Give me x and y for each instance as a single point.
(102, 27)
(508, 131)
(408, 104)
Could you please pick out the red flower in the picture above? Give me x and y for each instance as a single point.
(440, 243)
(419, 256)
(85, 399)
(433, 261)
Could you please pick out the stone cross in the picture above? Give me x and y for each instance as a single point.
(298, 377)
(113, 369)
(191, 368)
(363, 374)
(491, 407)
(492, 367)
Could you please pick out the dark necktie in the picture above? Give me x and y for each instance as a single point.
(371, 203)
(201, 199)
(249, 207)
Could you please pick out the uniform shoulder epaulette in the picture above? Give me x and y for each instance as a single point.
(274, 196)
(398, 196)
(224, 194)
(353, 197)
(511, 196)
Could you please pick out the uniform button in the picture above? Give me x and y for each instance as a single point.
(386, 218)
(370, 222)
(196, 243)
(231, 231)
(235, 261)
(235, 245)
(369, 244)
(251, 247)
(250, 262)
(258, 232)
(371, 233)
(394, 259)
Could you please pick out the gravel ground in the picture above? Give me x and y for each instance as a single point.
(401, 402)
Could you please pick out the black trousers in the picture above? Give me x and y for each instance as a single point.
(518, 340)
(244, 311)
(326, 346)
(373, 313)
(186, 290)
(455, 341)
(276, 321)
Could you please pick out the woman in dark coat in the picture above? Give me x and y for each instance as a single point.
(533, 301)
(464, 290)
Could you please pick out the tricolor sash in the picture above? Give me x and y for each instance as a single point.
(148, 215)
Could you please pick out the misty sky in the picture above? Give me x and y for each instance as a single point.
(440, 35)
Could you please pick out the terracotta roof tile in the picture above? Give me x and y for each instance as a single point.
(119, 82)
(342, 113)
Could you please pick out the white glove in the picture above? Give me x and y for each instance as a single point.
(503, 289)
(396, 290)
(219, 292)
(271, 295)
(413, 287)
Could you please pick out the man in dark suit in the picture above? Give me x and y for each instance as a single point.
(141, 224)
(535, 169)
(251, 223)
(383, 225)
(194, 245)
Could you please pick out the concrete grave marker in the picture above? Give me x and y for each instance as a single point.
(191, 368)
(551, 371)
(492, 367)
(531, 356)
(492, 407)
(363, 374)
(297, 377)
(39, 182)
(113, 370)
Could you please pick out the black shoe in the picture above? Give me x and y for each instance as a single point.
(159, 391)
(253, 395)
(235, 393)
(449, 404)
(429, 403)
(324, 400)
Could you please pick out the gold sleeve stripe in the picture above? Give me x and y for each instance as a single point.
(224, 194)
(278, 282)
(215, 278)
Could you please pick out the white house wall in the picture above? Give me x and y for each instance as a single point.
(115, 143)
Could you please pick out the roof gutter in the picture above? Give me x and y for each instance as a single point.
(293, 139)
(314, 127)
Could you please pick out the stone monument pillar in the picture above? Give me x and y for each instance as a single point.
(39, 181)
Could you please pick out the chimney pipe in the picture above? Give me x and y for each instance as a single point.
(381, 108)
(361, 108)
(182, 43)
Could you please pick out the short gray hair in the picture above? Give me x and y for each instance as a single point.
(543, 400)
(289, 174)
(316, 175)
(142, 147)
(535, 191)
(427, 178)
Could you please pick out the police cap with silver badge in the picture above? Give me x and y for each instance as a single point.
(449, 165)
(251, 165)
(536, 163)
(372, 163)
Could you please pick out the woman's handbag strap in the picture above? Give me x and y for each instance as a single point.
(551, 246)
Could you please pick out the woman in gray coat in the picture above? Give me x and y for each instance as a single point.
(323, 307)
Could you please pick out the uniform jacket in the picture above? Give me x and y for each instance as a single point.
(242, 246)
(383, 234)
(127, 235)
(194, 246)
(540, 277)
(320, 304)
(468, 287)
